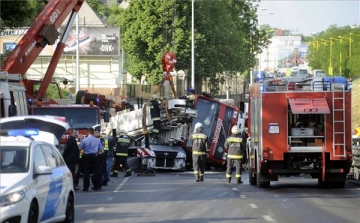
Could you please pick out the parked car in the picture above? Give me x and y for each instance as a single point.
(35, 183)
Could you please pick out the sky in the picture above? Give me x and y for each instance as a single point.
(309, 16)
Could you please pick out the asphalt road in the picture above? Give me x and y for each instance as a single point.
(177, 198)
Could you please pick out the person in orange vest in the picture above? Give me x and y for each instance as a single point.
(234, 147)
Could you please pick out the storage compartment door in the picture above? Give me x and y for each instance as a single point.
(309, 106)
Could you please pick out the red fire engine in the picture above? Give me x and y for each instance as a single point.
(301, 130)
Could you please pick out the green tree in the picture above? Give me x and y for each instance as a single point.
(19, 13)
(226, 37)
(101, 9)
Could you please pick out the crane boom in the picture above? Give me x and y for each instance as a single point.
(42, 32)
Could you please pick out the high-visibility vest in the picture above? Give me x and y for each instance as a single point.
(81, 152)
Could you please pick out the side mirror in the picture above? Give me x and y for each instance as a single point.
(44, 170)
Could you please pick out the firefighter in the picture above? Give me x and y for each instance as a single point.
(234, 146)
(200, 151)
(121, 155)
(155, 108)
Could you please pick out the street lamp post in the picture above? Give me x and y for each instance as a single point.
(330, 59)
(259, 27)
(350, 40)
(340, 55)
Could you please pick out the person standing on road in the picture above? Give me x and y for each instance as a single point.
(234, 146)
(121, 155)
(101, 158)
(110, 144)
(71, 154)
(91, 147)
(200, 151)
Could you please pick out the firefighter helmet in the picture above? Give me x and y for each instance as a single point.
(154, 96)
(235, 130)
(198, 126)
(122, 133)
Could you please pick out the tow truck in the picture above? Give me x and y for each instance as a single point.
(20, 96)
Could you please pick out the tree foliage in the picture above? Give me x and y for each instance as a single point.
(101, 9)
(226, 36)
(19, 13)
(337, 40)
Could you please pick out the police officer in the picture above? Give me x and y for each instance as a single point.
(121, 155)
(155, 108)
(200, 151)
(234, 146)
(91, 147)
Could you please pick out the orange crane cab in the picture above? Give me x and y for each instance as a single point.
(300, 130)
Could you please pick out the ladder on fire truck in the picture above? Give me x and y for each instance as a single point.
(338, 98)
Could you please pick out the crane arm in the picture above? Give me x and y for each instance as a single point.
(42, 32)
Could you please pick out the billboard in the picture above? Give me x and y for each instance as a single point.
(93, 41)
(292, 56)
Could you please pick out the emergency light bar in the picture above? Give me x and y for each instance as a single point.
(19, 132)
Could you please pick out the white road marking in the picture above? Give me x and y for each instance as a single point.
(242, 196)
(253, 205)
(110, 198)
(234, 188)
(89, 221)
(100, 209)
(267, 218)
(120, 185)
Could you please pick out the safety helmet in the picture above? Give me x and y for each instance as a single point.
(235, 130)
(191, 90)
(122, 133)
(154, 96)
(198, 126)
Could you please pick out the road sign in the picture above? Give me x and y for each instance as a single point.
(357, 131)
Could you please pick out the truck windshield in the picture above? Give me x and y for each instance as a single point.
(75, 117)
(207, 115)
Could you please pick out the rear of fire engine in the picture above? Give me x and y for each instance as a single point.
(300, 130)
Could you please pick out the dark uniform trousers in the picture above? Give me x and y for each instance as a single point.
(91, 162)
(199, 163)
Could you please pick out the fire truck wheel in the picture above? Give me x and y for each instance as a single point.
(252, 179)
(79, 95)
(261, 184)
(340, 184)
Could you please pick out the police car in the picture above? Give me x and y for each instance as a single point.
(35, 183)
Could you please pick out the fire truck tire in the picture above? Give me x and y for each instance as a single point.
(252, 179)
(79, 95)
(340, 184)
(261, 184)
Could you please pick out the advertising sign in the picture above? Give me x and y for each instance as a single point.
(292, 56)
(94, 41)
